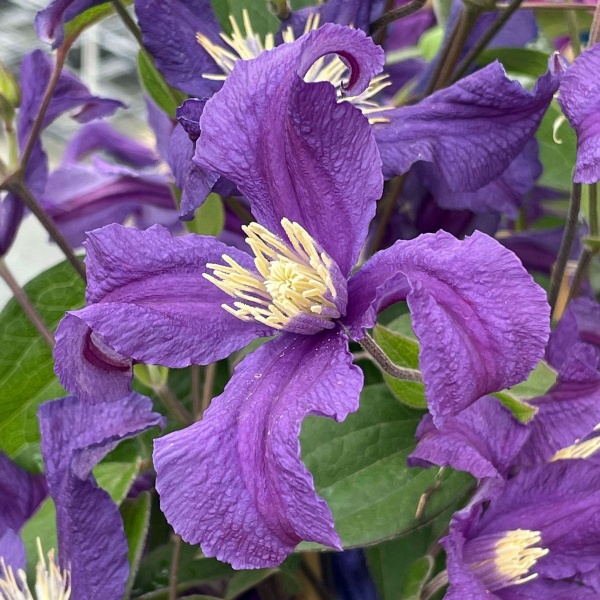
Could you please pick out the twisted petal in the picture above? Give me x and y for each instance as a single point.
(458, 293)
(169, 29)
(50, 22)
(148, 301)
(234, 482)
(482, 440)
(471, 131)
(161, 125)
(299, 154)
(100, 136)
(21, 493)
(581, 104)
(75, 437)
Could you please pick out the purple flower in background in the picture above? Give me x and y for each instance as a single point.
(537, 538)
(70, 93)
(580, 102)
(81, 196)
(296, 147)
(75, 437)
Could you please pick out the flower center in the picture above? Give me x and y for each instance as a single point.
(248, 44)
(513, 555)
(293, 288)
(51, 583)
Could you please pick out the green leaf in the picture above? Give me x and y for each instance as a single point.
(558, 158)
(554, 24)
(76, 26)
(521, 61)
(26, 367)
(430, 42)
(209, 218)
(117, 477)
(416, 578)
(540, 380)
(359, 468)
(243, 581)
(155, 84)
(521, 410)
(263, 21)
(136, 521)
(403, 351)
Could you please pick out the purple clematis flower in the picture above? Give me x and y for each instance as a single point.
(80, 196)
(295, 147)
(70, 93)
(580, 102)
(537, 538)
(75, 437)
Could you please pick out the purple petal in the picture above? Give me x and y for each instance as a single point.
(234, 482)
(75, 437)
(50, 22)
(169, 29)
(162, 125)
(12, 551)
(194, 181)
(12, 211)
(569, 411)
(299, 146)
(148, 301)
(21, 493)
(579, 323)
(458, 293)
(100, 136)
(482, 440)
(471, 131)
(88, 367)
(188, 116)
(504, 194)
(581, 104)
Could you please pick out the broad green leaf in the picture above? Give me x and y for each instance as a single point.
(26, 367)
(403, 351)
(359, 468)
(76, 26)
(521, 61)
(243, 581)
(115, 478)
(154, 83)
(417, 576)
(262, 20)
(136, 520)
(209, 218)
(558, 158)
(540, 380)
(430, 42)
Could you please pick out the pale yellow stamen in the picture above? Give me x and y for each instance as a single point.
(51, 583)
(247, 44)
(516, 553)
(292, 279)
(578, 450)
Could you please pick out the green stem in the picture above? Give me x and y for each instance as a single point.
(566, 245)
(394, 15)
(209, 379)
(486, 38)
(28, 308)
(593, 210)
(196, 391)
(387, 206)
(128, 22)
(573, 29)
(595, 28)
(13, 146)
(174, 567)
(385, 364)
(175, 408)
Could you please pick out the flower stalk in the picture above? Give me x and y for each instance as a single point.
(385, 364)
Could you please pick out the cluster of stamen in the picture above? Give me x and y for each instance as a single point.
(579, 449)
(291, 280)
(515, 554)
(51, 583)
(248, 44)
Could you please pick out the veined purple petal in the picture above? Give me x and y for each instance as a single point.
(169, 29)
(458, 293)
(50, 22)
(100, 136)
(12, 211)
(234, 481)
(21, 493)
(194, 181)
(581, 104)
(12, 551)
(148, 301)
(75, 437)
(300, 155)
(471, 131)
(482, 440)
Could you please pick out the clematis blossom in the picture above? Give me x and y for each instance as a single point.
(310, 169)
